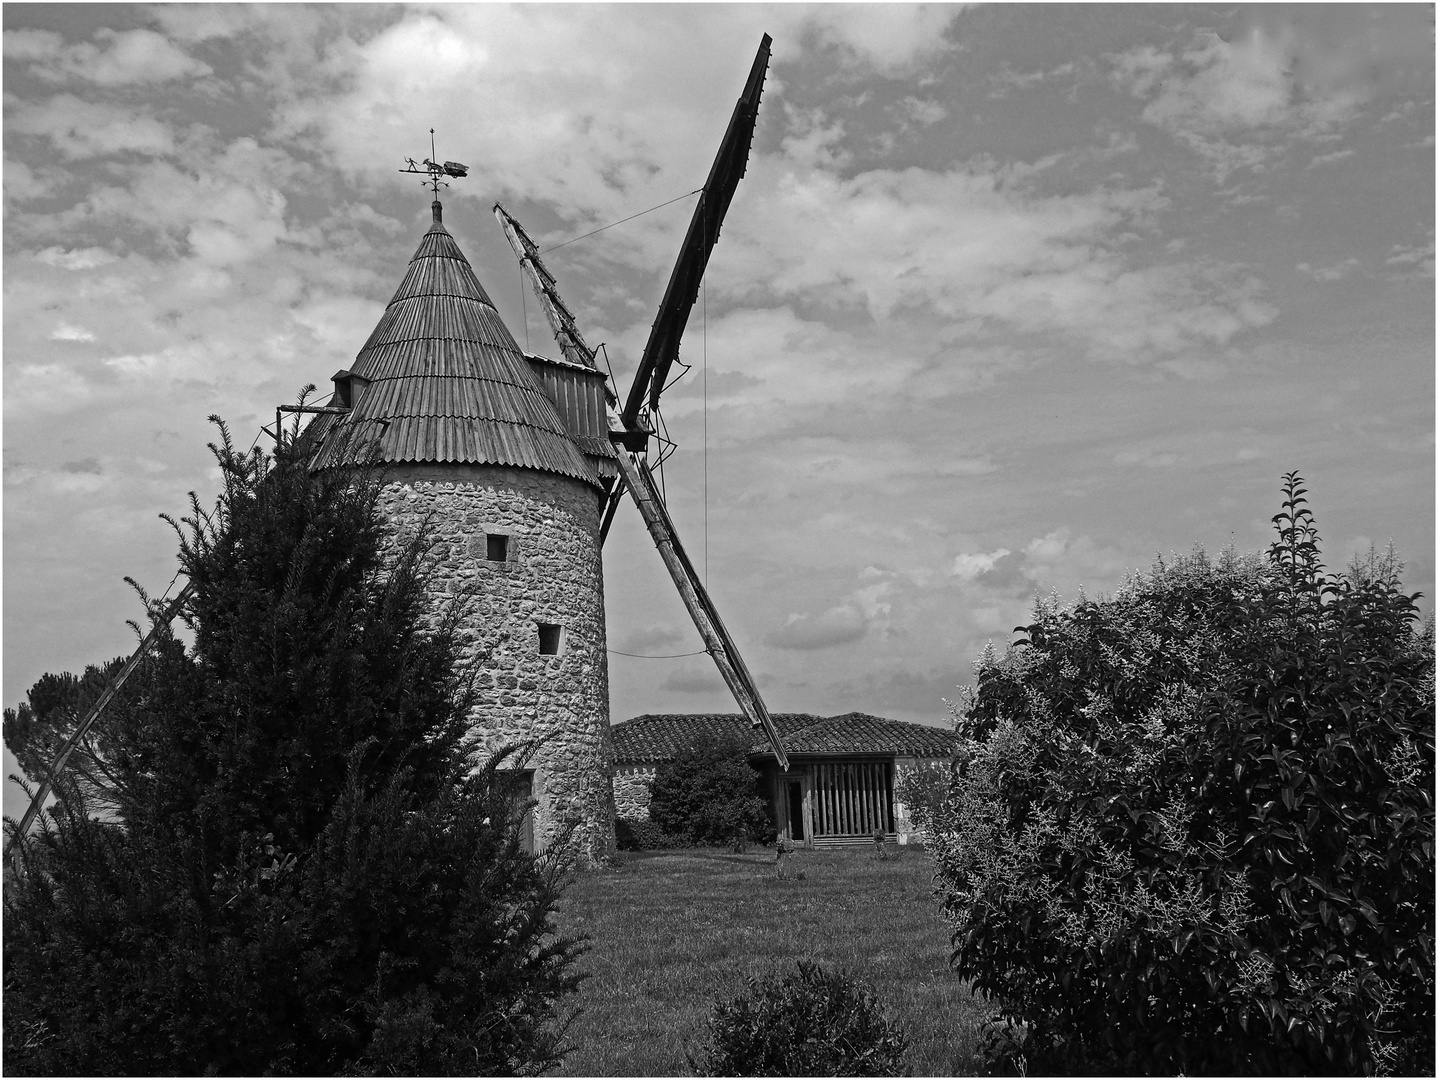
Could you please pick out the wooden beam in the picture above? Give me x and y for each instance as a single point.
(83, 727)
(717, 642)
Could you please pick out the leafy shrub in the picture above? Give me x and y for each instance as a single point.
(282, 859)
(810, 1022)
(922, 788)
(1192, 828)
(710, 794)
(632, 834)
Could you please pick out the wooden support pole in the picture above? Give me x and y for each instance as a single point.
(717, 641)
(83, 727)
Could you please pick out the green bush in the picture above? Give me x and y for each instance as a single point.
(636, 835)
(710, 794)
(810, 1022)
(1192, 829)
(276, 856)
(922, 788)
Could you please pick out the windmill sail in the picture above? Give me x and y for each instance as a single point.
(724, 176)
(636, 478)
(717, 641)
(566, 334)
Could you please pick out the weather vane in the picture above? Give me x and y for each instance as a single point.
(433, 171)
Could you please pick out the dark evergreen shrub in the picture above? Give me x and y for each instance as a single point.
(809, 1022)
(710, 794)
(1192, 829)
(283, 860)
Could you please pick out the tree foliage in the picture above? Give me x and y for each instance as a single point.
(808, 1022)
(284, 859)
(1192, 829)
(710, 794)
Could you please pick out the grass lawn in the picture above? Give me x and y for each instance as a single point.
(672, 932)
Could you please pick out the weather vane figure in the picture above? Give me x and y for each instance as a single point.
(433, 171)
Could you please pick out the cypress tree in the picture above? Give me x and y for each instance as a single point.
(280, 854)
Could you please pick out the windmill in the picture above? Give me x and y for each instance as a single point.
(514, 465)
(633, 424)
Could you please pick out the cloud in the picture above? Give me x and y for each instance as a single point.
(923, 112)
(44, 389)
(81, 129)
(653, 640)
(121, 58)
(1008, 79)
(1336, 272)
(76, 259)
(1419, 256)
(66, 332)
(1061, 562)
(891, 38)
(88, 465)
(1147, 457)
(1239, 101)
(975, 247)
(967, 567)
(694, 680)
(836, 626)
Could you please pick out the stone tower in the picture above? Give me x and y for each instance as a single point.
(502, 455)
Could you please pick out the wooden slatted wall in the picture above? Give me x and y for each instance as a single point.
(852, 798)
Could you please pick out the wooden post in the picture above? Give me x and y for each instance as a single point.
(717, 642)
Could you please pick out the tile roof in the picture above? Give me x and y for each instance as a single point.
(661, 737)
(445, 381)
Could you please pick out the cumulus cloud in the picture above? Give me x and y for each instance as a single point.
(888, 37)
(115, 58)
(922, 111)
(81, 129)
(1061, 561)
(76, 258)
(1239, 100)
(971, 246)
(66, 332)
(967, 567)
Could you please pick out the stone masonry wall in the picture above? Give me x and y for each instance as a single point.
(552, 574)
(632, 791)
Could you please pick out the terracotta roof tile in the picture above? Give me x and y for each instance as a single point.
(661, 737)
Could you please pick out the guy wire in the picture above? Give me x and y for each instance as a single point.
(621, 221)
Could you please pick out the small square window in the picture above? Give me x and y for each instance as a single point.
(548, 639)
(496, 547)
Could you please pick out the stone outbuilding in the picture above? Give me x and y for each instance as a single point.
(839, 788)
(500, 455)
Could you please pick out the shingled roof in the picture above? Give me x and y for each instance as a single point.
(442, 380)
(654, 738)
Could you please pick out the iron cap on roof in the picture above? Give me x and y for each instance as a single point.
(444, 380)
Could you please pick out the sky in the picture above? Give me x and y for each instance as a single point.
(1011, 300)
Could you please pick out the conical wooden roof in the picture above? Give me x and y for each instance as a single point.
(442, 380)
